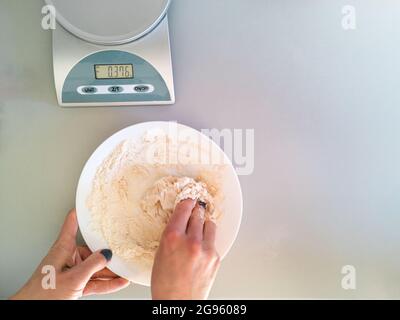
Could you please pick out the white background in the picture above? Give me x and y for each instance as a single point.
(324, 104)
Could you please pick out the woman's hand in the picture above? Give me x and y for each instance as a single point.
(77, 271)
(186, 262)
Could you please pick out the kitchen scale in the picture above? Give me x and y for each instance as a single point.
(112, 53)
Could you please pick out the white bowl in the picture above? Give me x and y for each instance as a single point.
(228, 225)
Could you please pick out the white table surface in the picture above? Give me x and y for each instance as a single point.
(325, 106)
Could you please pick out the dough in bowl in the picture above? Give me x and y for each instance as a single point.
(162, 198)
(137, 187)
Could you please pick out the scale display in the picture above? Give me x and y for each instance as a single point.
(114, 71)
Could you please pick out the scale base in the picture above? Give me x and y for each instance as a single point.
(76, 85)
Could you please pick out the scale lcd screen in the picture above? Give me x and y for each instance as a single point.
(113, 71)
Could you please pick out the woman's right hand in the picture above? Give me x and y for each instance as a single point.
(186, 262)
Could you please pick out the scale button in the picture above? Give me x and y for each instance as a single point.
(115, 89)
(142, 88)
(89, 90)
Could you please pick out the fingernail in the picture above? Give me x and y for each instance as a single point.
(202, 204)
(107, 253)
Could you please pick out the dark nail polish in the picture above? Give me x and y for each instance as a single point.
(203, 204)
(107, 253)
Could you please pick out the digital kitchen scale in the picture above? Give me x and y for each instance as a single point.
(112, 53)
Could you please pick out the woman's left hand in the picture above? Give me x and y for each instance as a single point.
(70, 272)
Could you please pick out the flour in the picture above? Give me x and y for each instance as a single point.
(138, 185)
